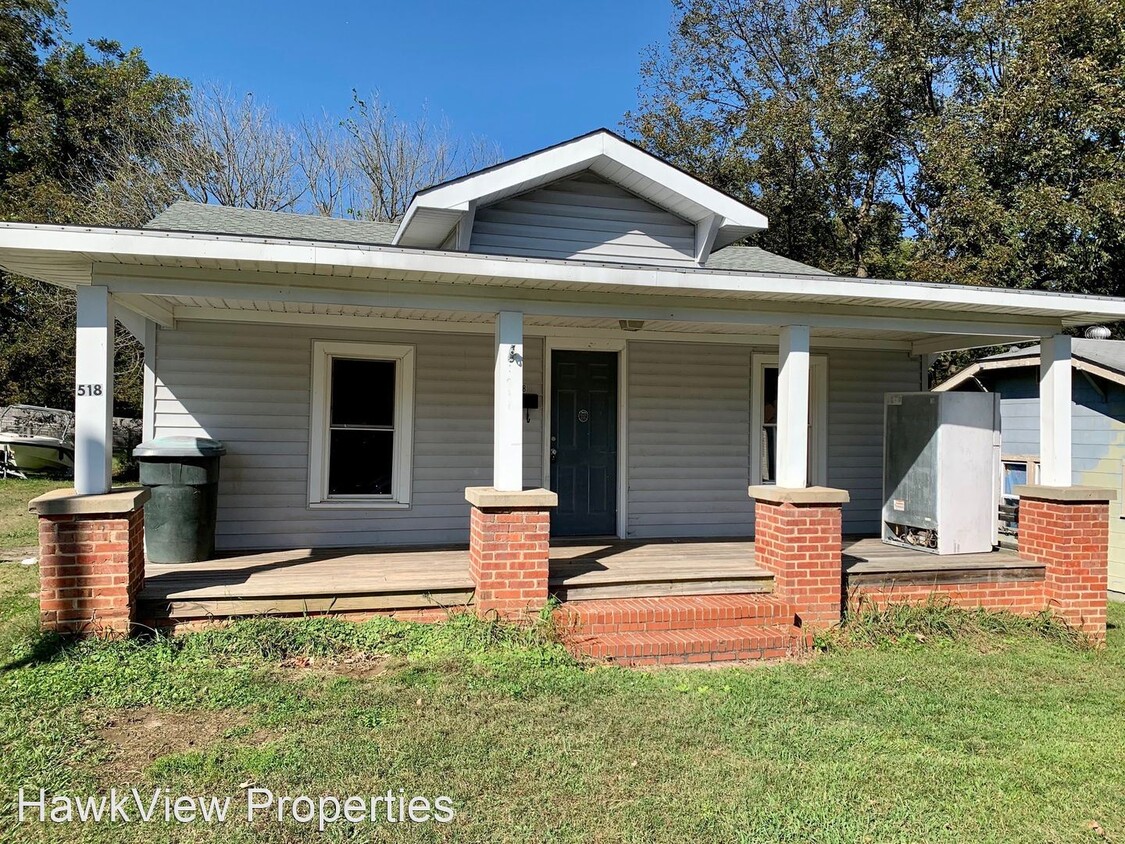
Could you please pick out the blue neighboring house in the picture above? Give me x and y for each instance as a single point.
(1098, 422)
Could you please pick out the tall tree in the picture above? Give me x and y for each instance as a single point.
(1021, 179)
(788, 105)
(962, 140)
(65, 111)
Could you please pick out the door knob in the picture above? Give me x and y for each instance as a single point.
(554, 454)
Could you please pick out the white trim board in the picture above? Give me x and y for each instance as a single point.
(402, 470)
(67, 254)
(718, 217)
(188, 314)
(1027, 361)
(624, 303)
(553, 343)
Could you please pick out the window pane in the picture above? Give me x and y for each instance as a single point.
(769, 395)
(363, 392)
(768, 454)
(359, 462)
(767, 448)
(1015, 474)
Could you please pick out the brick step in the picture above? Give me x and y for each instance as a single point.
(702, 645)
(687, 612)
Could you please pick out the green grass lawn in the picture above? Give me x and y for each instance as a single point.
(1009, 737)
(17, 526)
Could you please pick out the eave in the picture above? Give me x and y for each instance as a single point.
(947, 314)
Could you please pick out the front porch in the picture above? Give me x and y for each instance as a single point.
(376, 580)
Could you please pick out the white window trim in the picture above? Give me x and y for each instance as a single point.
(1031, 463)
(818, 416)
(401, 474)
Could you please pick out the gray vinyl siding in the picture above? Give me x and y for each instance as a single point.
(249, 386)
(857, 381)
(688, 423)
(583, 216)
(1019, 413)
(689, 436)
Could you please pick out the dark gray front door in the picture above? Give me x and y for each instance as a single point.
(584, 443)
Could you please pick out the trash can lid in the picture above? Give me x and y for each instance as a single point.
(180, 447)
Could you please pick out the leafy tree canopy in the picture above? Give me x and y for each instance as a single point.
(65, 111)
(977, 141)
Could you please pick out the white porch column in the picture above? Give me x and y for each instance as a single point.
(93, 392)
(1054, 411)
(793, 407)
(507, 443)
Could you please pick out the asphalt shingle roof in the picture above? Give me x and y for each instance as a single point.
(217, 219)
(757, 260)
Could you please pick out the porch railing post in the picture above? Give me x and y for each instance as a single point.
(793, 407)
(93, 391)
(507, 442)
(1054, 411)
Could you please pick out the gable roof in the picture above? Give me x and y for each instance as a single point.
(720, 219)
(1105, 358)
(200, 218)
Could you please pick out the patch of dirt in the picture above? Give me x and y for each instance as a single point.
(138, 737)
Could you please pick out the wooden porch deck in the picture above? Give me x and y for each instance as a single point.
(376, 579)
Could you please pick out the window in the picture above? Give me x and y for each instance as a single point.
(361, 425)
(763, 419)
(1015, 470)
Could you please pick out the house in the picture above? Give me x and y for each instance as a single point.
(1098, 422)
(561, 375)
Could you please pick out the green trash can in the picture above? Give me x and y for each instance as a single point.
(182, 474)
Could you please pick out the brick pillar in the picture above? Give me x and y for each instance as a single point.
(509, 543)
(1067, 530)
(91, 560)
(798, 538)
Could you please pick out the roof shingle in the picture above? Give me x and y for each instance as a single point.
(218, 219)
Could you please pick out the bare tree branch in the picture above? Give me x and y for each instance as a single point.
(246, 157)
(398, 158)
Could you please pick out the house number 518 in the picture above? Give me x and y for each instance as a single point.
(89, 389)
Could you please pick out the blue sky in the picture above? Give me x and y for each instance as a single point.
(524, 74)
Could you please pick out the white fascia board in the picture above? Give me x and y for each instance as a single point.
(489, 299)
(186, 313)
(717, 202)
(974, 369)
(1085, 366)
(937, 343)
(322, 258)
(1028, 361)
(958, 379)
(571, 157)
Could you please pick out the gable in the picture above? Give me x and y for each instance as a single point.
(583, 216)
(442, 216)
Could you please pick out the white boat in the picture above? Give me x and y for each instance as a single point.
(39, 440)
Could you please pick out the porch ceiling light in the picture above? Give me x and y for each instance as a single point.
(631, 324)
